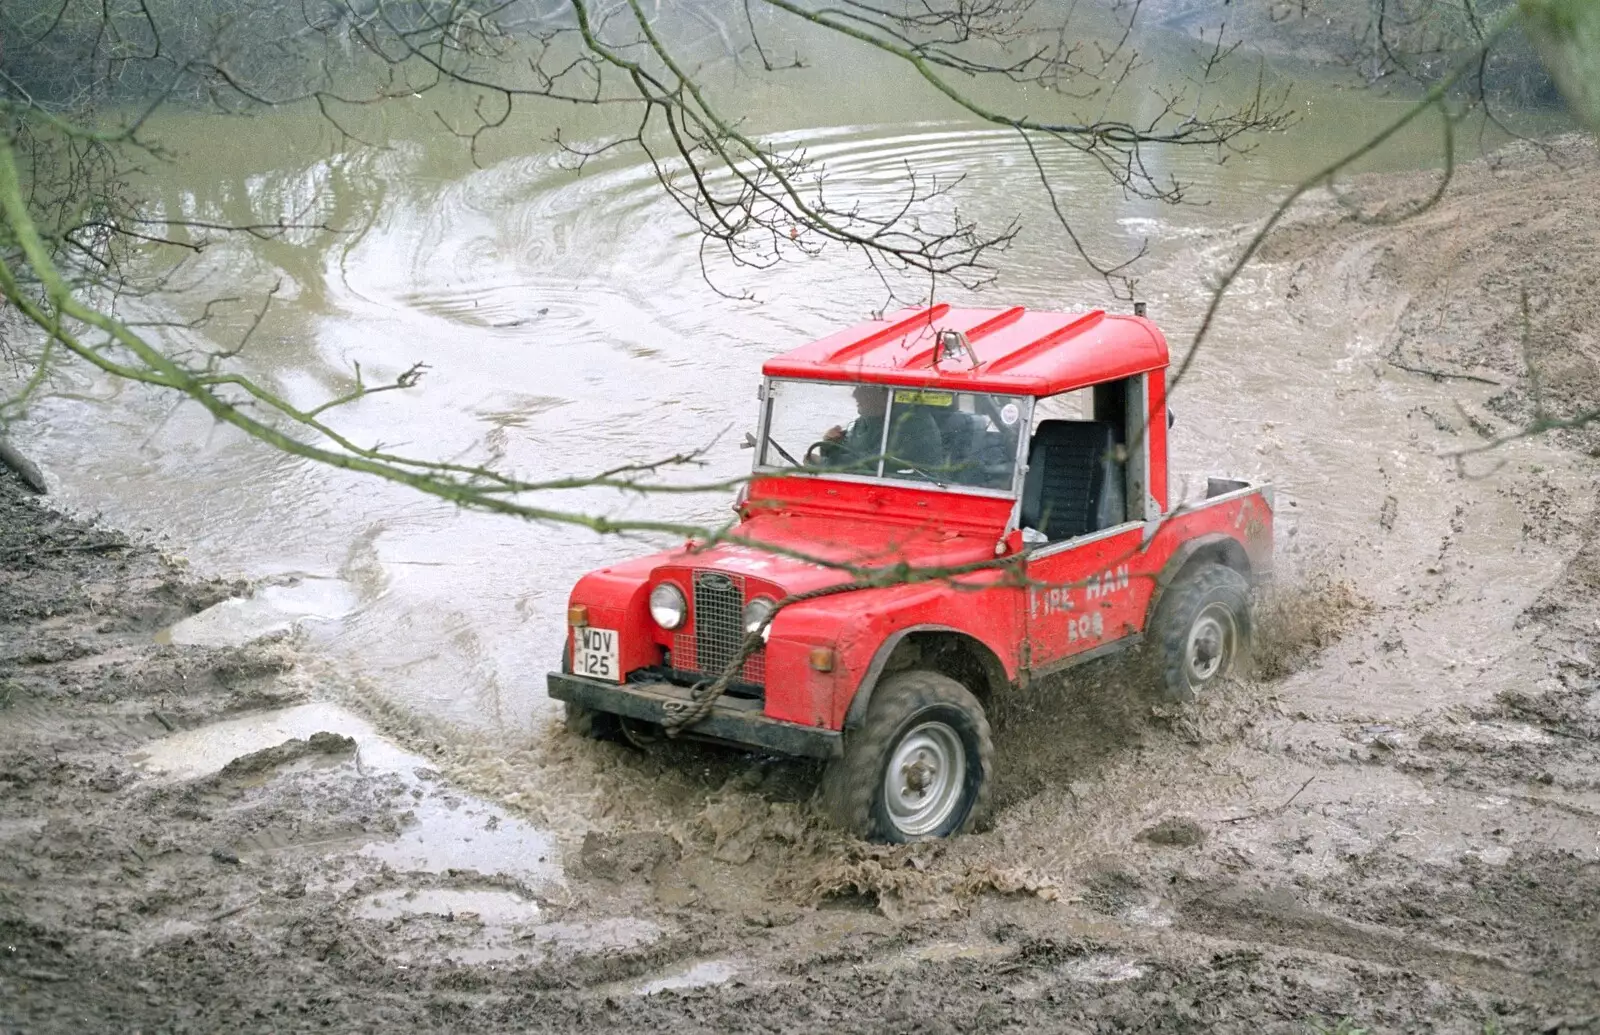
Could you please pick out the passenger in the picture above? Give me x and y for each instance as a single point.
(914, 440)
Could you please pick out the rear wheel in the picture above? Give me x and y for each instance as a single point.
(919, 767)
(1201, 632)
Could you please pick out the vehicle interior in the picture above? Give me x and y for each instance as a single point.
(1080, 480)
(979, 447)
(1078, 477)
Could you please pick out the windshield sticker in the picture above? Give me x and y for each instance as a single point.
(911, 396)
(1009, 414)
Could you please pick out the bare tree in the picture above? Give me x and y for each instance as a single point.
(68, 219)
(70, 222)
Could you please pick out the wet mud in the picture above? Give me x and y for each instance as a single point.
(1393, 824)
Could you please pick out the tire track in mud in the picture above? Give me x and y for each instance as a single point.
(1276, 918)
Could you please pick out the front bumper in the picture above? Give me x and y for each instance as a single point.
(735, 720)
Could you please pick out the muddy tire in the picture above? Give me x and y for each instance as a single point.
(590, 724)
(643, 736)
(920, 767)
(1200, 633)
(586, 722)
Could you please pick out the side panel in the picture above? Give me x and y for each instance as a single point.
(1085, 594)
(1243, 516)
(1093, 591)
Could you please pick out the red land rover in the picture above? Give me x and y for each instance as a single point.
(946, 503)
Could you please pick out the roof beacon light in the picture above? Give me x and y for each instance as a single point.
(951, 345)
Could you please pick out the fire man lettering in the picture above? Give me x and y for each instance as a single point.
(1107, 583)
(1049, 601)
(1060, 599)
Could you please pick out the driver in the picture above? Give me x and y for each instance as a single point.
(914, 439)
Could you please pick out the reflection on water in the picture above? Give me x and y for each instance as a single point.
(491, 906)
(491, 925)
(311, 602)
(566, 327)
(445, 832)
(698, 975)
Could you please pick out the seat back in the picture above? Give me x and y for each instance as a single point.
(1074, 482)
(953, 430)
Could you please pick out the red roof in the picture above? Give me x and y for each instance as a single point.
(1019, 352)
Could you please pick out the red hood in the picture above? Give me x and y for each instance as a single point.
(793, 531)
(847, 523)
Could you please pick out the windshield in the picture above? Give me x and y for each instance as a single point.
(924, 435)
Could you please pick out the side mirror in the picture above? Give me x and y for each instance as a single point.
(749, 441)
(1171, 417)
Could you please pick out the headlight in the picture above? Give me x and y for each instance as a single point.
(667, 606)
(755, 613)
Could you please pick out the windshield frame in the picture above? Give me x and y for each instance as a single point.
(1018, 470)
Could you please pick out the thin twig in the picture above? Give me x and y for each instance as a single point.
(1441, 375)
(1273, 811)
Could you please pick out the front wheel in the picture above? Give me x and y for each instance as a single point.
(590, 724)
(586, 722)
(1200, 632)
(920, 766)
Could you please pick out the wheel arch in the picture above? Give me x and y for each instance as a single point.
(939, 648)
(1212, 548)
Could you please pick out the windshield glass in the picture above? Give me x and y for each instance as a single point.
(924, 435)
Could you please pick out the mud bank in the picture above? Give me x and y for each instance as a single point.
(1345, 35)
(1394, 827)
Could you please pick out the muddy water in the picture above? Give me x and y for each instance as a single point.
(566, 326)
(444, 832)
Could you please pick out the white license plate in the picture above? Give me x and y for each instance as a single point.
(594, 653)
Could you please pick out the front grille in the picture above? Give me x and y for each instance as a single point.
(717, 624)
(718, 620)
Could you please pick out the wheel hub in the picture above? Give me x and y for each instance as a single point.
(920, 774)
(1211, 640)
(925, 779)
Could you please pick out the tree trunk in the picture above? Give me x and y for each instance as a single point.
(24, 467)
